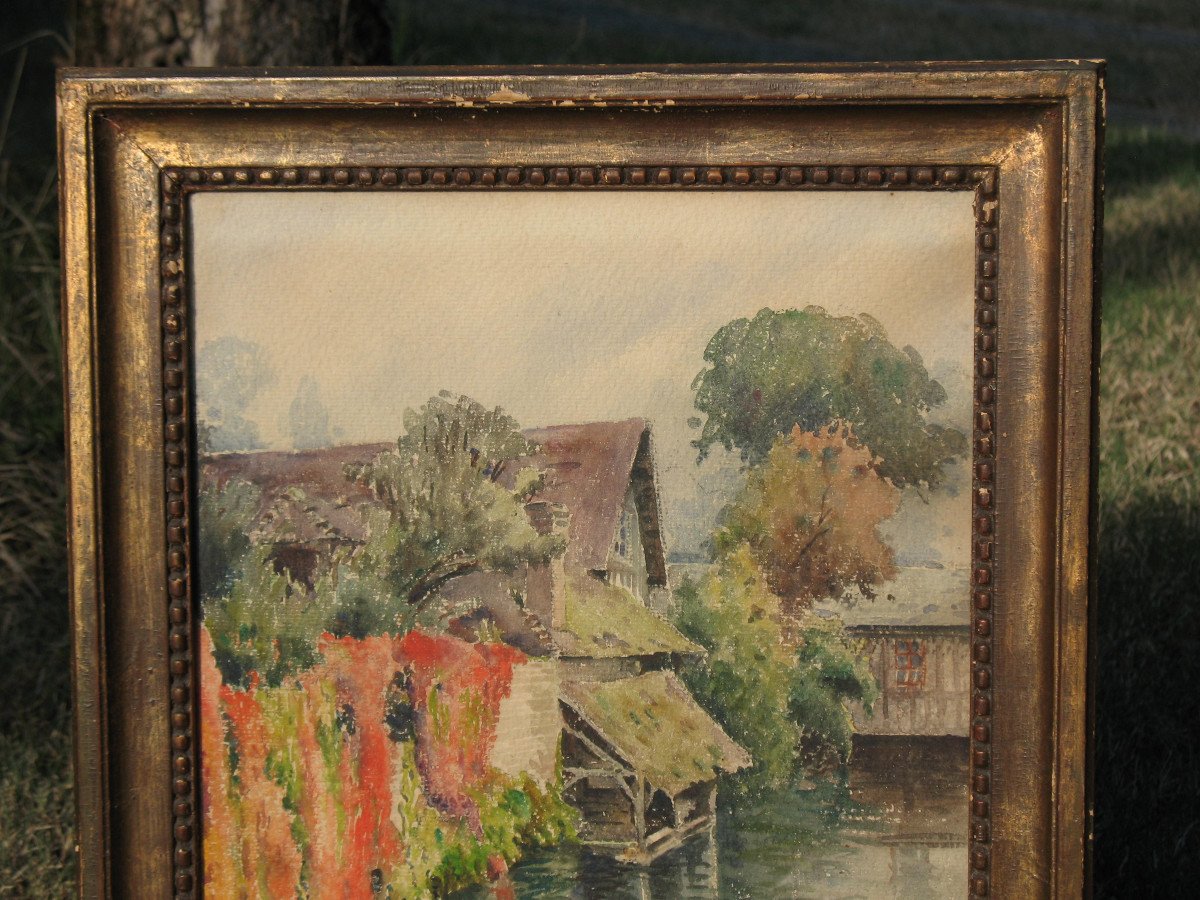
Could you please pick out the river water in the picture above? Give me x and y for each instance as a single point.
(893, 825)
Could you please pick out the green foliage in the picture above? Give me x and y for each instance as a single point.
(448, 426)
(358, 603)
(421, 832)
(445, 511)
(259, 618)
(225, 518)
(782, 706)
(830, 672)
(503, 813)
(513, 814)
(805, 367)
(745, 680)
(265, 624)
(552, 820)
(443, 855)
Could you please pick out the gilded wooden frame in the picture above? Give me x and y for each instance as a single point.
(1023, 137)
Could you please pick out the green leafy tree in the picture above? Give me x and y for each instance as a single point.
(226, 514)
(265, 624)
(446, 506)
(830, 673)
(745, 681)
(807, 368)
(809, 514)
(361, 603)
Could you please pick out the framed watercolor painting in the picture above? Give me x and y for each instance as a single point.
(582, 483)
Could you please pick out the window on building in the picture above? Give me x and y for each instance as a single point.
(910, 664)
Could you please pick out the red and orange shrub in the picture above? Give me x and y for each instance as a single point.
(308, 789)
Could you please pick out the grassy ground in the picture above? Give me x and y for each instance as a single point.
(36, 835)
(1148, 650)
(1149, 555)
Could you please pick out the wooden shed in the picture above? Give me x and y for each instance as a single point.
(640, 761)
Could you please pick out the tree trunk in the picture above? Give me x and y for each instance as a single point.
(232, 33)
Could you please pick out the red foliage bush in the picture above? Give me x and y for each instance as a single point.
(455, 689)
(325, 735)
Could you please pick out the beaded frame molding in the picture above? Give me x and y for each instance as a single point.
(179, 459)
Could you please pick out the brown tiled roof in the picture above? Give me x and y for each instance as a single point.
(305, 494)
(298, 517)
(587, 469)
(489, 595)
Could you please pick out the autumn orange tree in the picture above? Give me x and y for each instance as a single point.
(810, 514)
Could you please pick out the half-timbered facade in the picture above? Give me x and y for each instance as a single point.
(916, 636)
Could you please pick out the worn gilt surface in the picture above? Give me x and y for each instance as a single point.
(136, 144)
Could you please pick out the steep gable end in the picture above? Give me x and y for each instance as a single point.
(589, 469)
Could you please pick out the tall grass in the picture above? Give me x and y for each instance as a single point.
(36, 834)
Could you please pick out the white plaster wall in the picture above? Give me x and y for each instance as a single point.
(530, 722)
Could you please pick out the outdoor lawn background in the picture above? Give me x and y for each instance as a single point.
(1148, 653)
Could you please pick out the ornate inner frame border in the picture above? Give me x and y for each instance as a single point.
(177, 184)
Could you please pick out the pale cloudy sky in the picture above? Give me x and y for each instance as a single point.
(577, 306)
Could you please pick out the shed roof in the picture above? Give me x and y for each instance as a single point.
(918, 597)
(653, 723)
(306, 495)
(605, 620)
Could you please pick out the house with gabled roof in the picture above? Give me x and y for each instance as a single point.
(639, 756)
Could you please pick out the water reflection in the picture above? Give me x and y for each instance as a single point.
(895, 826)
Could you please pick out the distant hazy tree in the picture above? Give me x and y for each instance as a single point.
(809, 514)
(805, 367)
(443, 508)
(230, 373)
(308, 418)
